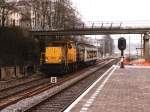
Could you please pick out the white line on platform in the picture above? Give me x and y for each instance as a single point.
(80, 97)
(104, 82)
(89, 102)
(87, 105)
(102, 85)
(84, 109)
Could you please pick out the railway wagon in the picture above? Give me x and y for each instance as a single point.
(61, 57)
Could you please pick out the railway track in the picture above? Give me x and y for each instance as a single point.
(60, 101)
(13, 94)
(31, 91)
(12, 83)
(7, 92)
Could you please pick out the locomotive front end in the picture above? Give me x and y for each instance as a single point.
(59, 57)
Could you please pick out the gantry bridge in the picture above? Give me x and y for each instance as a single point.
(95, 29)
(90, 31)
(102, 29)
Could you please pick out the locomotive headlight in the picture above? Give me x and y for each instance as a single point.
(60, 59)
(46, 59)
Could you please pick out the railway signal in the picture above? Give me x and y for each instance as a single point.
(122, 47)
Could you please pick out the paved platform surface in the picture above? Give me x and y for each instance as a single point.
(125, 90)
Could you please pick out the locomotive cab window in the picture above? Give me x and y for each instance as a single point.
(70, 46)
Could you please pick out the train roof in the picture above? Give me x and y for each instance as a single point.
(76, 42)
(62, 41)
(86, 44)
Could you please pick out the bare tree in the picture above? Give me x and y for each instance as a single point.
(44, 14)
(6, 9)
(3, 12)
(54, 14)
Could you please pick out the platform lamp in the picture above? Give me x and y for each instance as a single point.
(122, 47)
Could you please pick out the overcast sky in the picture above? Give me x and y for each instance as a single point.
(113, 10)
(136, 11)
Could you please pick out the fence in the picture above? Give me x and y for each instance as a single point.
(11, 72)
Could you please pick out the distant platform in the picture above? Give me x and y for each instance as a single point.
(120, 90)
(138, 62)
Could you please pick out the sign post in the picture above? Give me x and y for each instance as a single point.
(122, 47)
(53, 80)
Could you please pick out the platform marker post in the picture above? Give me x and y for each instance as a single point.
(53, 80)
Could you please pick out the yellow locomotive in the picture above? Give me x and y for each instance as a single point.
(66, 56)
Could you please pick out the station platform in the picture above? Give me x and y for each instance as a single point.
(118, 90)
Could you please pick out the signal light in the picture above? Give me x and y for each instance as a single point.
(122, 43)
(122, 47)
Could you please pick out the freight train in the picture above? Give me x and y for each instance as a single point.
(60, 57)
